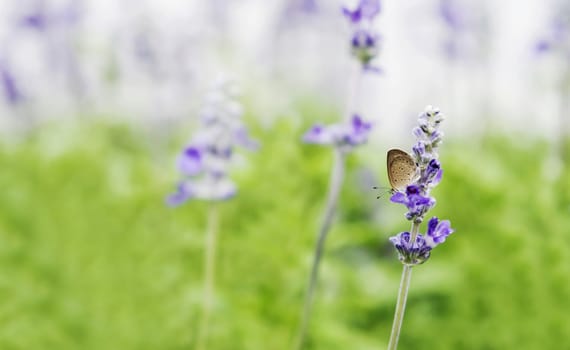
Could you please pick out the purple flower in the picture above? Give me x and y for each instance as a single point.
(417, 198)
(465, 26)
(212, 189)
(181, 195)
(365, 10)
(345, 136)
(360, 130)
(37, 21)
(318, 134)
(365, 42)
(242, 138)
(428, 136)
(432, 174)
(543, 45)
(419, 150)
(557, 37)
(190, 161)
(411, 253)
(419, 251)
(43, 16)
(11, 89)
(204, 163)
(365, 45)
(309, 6)
(417, 203)
(437, 231)
(452, 14)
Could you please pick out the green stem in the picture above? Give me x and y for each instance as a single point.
(335, 185)
(209, 269)
(402, 296)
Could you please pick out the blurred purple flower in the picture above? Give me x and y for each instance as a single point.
(12, 92)
(181, 195)
(452, 14)
(365, 45)
(190, 161)
(557, 36)
(466, 28)
(542, 46)
(242, 138)
(210, 189)
(364, 10)
(309, 6)
(37, 21)
(344, 136)
(44, 15)
(365, 42)
(301, 7)
(205, 161)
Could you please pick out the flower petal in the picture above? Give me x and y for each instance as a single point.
(400, 198)
(318, 134)
(190, 161)
(181, 195)
(432, 224)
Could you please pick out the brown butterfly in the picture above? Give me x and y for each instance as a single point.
(402, 169)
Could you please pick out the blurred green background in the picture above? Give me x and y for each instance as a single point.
(91, 258)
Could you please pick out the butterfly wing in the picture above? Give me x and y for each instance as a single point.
(402, 169)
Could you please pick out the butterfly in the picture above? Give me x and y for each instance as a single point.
(402, 170)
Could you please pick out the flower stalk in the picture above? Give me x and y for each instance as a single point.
(402, 297)
(415, 248)
(335, 185)
(212, 227)
(344, 137)
(204, 164)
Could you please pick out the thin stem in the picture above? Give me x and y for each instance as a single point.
(402, 296)
(335, 185)
(209, 269)
(354, 86)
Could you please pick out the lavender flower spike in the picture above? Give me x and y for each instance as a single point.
(429, 137)
(414, 248)
(205, 161)
(365, 41)
(364, 10)
(557, 35)
(343, 136)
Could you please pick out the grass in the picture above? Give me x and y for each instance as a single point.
(91, 258)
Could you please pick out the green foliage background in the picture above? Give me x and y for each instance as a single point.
(91, 258)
